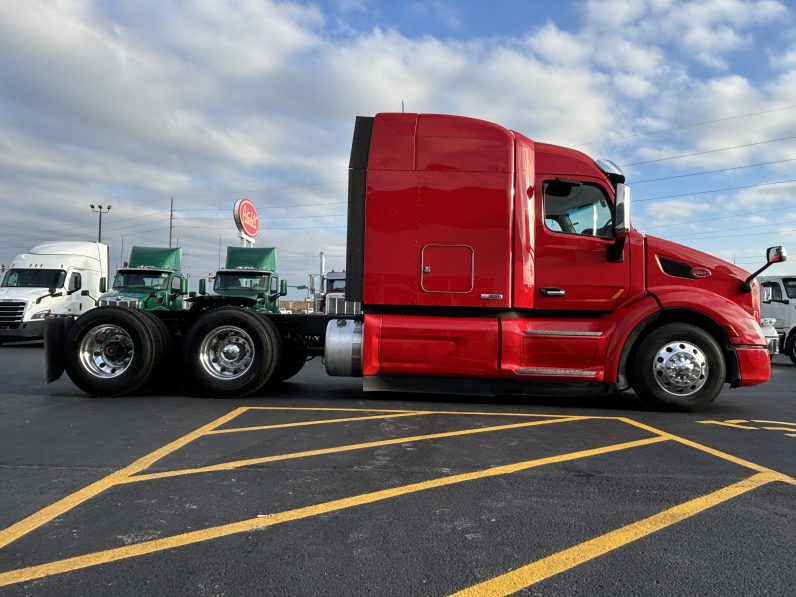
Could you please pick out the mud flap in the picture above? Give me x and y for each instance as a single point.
(55, 329)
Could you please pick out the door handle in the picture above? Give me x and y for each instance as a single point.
(552, 291)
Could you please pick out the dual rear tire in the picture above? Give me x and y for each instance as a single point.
(229, 351)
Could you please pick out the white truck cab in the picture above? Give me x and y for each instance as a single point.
(779, 304)
(53, 278)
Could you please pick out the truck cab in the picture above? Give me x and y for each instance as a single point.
(53, 279)
(778, 295)
(152, 281)
(248, 279)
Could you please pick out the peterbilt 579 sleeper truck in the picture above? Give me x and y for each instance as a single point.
(484, 263)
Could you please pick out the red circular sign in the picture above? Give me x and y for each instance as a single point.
(246, 217)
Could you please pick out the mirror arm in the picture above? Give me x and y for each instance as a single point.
(746, 285)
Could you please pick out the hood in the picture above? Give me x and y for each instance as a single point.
(670, 264)
(695, 258)
(23, 294)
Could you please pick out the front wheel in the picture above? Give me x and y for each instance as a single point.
(678, 367)
(792, 349)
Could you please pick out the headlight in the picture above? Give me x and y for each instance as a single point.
(768, 321)
(40, 314)
(759, 329)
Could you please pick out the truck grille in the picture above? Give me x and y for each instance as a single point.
(337, 305)
(11, 313)
(118, 302)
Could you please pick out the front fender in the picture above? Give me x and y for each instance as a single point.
(737, 323)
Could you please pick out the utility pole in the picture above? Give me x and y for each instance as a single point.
(99, 210)
(171, 219)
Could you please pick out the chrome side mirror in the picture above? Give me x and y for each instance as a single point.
(776, 255)
(622, 218)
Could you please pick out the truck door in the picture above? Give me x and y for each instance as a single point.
(574, 229)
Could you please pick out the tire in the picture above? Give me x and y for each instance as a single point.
(678, 367)
(164, 350)
(111, 351)
(791, 350)
(230, 351)
(293, 360)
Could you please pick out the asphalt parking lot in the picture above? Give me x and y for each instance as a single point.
(318, 488)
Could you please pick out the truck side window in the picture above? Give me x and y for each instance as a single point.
(776, 291)
(175, 284)
(790, 287)
(580, 209)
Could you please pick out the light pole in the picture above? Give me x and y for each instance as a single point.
(99, 210)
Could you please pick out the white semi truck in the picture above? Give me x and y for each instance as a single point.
(53, 278)
(779, 305)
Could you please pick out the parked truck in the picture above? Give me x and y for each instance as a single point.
(152, 280)
(328, 294)
(52, 279)
(484, 262)
(249, 274)
(779, 308)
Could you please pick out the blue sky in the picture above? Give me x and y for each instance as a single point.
(206, 102)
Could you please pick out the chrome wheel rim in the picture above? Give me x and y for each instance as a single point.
(680, 368)
(226, 353)
(106, 351)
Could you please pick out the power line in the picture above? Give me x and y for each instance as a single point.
(686, 155)
(685, 126)
(638, 182)
(707, 233)
(262, 190)
(750, 186)
(746, 213)
(264, 207)
(269, 218)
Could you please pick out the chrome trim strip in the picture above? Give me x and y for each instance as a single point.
(568, 372)
(560, 333)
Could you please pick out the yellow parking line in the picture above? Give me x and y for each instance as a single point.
(45, 515)
(718, 453)
(319, 422)
(226, 466)
(732, 424)
(518, 579)
(788, 423)
(320, 409)
(261, 522)
(791, 429)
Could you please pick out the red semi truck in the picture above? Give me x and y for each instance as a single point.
(484, 263)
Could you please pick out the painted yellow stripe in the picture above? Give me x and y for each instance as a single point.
(791, 429)
(45, 515)
(518, 579)
(787, 423)
(432, 412)
(261, 522)
(707, 449)
(327, 409)
(227, 466)
(728, 424)
(319, 422)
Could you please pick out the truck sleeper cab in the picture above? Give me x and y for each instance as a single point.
(484, 262)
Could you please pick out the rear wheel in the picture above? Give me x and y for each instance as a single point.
(111, 351)
(295, 355)
(231, 351)
(678, 367)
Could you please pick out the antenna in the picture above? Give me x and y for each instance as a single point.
(402, 106)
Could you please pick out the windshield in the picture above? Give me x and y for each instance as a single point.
(335, 285)
(241, 281)
(151, 280)
(790, 286)
(34, 278)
